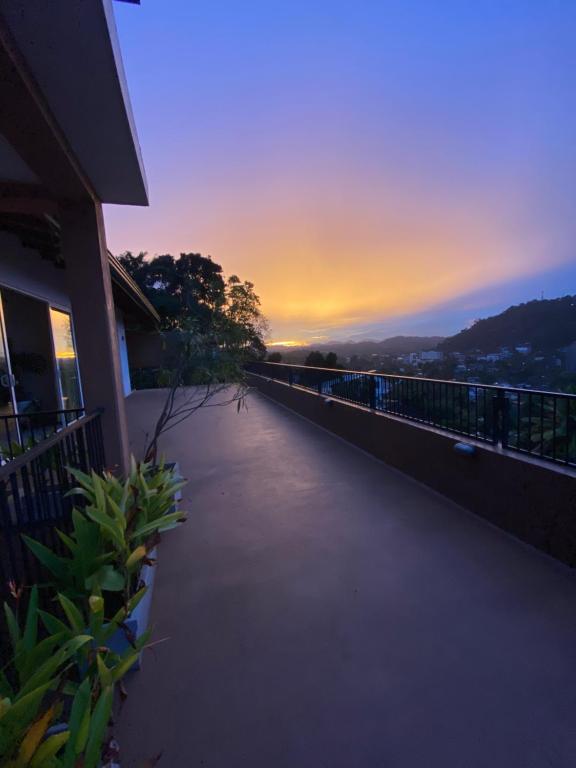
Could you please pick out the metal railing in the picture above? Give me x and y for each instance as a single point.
(33, 499)
(20, 432)
(540, 424)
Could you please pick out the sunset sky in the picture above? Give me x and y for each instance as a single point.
(375, 167)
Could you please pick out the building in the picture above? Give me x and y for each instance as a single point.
(569, 354)
(432, 356)
(68, 144)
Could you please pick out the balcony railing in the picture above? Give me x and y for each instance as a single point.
(19, 433)
(33, 488)
(540, 424)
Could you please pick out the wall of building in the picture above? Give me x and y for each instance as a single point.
(533, 500)
(145, 349)
(23, 269)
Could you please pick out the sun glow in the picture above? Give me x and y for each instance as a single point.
(287, 343)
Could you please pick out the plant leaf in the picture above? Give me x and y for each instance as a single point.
(55, 564)
(33, 737)
(13, 628)
(31, 628)
(137, 555)
(53, 664)
(110, 579)
(73, 614)
(49, 749)
(78, 722)
(98, 725)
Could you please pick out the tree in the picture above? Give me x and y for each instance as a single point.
(212, 326)
(274, 357)
(316, 359)
(191, 292)
(331, 360)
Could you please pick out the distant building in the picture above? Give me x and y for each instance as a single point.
(431, 356)
(569, 354)
(524, 349)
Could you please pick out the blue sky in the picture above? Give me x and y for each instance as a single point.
(374, 167)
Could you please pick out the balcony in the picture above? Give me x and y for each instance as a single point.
(322, 609)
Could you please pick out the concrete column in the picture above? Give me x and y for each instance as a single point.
(90, 289)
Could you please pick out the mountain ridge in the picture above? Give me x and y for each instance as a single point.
(546, 324)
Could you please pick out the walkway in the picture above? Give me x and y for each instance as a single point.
(324, 611)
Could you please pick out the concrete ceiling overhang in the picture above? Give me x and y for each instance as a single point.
(61, 73)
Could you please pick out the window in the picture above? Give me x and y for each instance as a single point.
(66, 362)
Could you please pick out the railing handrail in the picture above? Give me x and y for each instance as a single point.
(496, 387)
(15, 464)
(60, 412)
(528, 421)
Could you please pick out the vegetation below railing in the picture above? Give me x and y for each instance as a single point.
(540, 424)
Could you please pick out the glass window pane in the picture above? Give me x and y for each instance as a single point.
(8, 428)
(66, 359)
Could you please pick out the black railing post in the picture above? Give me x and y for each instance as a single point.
(498, 408)
(372, 392)
(290, 377)
(505, 422)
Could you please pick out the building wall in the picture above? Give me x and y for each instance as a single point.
(145, 349)
(533, 500)
(23, 269)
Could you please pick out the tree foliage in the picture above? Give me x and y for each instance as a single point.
(191, 294)
(316, 359)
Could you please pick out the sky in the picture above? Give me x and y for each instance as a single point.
(374, 167)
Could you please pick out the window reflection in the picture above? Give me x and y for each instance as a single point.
(66, 362)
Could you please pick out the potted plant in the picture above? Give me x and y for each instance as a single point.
(111, 548)
(57, 690)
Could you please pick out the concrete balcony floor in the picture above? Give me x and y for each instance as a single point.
(323, 611)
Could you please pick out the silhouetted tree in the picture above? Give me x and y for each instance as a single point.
(274, 357)
(191, 292)
(315, 359)
(331, 360)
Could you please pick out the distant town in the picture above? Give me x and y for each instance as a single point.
(545, 358)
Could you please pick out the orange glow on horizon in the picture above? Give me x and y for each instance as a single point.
(287, 343)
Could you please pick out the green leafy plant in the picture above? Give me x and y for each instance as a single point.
(62, 661)
(112, 535)
(67, 668)
(31, 688)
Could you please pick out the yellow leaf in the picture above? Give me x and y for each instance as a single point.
(135, 557)
(34, 736)
(96, 603)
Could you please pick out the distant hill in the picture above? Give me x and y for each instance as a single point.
(397, 345)
(547, 324)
